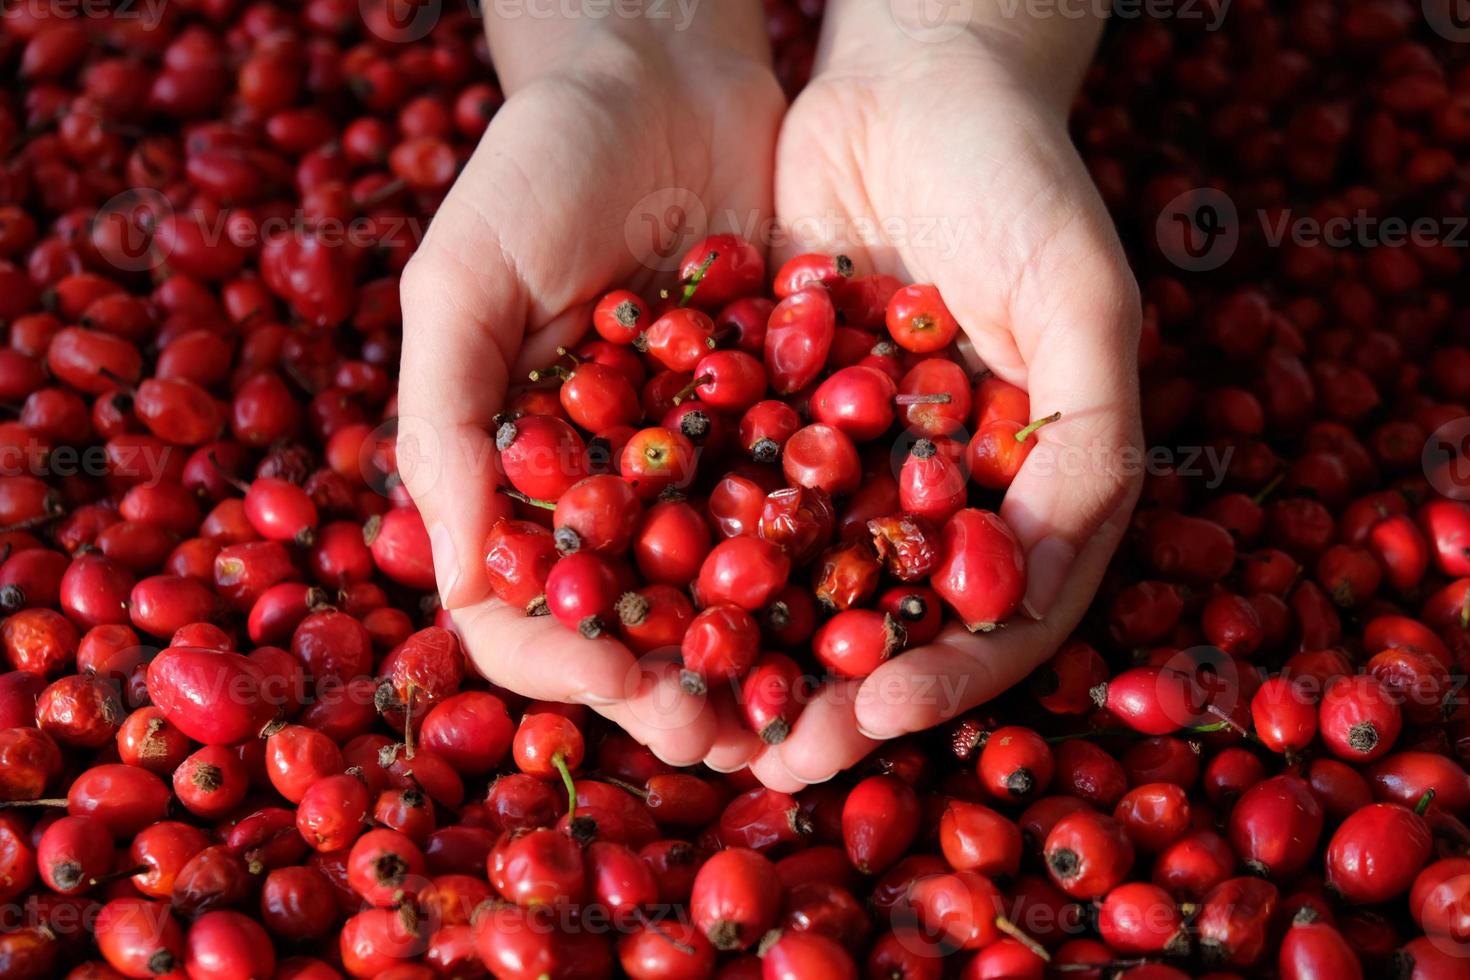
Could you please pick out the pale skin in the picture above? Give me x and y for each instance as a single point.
(935, 157)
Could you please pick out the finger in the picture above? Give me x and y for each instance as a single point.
(464, 317)
(958, 671)
(767, 766)
(677, 727)
(1085, 467)
(825, 739)
(538, 658)
(735, 744)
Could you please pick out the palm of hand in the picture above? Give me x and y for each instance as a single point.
(551, 212)
(922, 175)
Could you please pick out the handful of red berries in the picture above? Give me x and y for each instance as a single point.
(237, 743)
(669, 500)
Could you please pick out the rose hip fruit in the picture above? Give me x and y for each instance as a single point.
(982, 572)
(918, 321)
(719, 647)
(736, 898)
(1087, 854)
(880, 820)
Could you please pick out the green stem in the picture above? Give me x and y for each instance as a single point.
(515, 494)
(1030, 430)
(697, 278)
(566, 777)
(1266, 490)
(1424, 801)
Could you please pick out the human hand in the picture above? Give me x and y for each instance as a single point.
(602, 118)
(950, 163)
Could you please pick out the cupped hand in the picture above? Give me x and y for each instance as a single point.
(550, 212)
(951, 166)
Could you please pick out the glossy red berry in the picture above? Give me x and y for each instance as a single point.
(746, 572)
(918, 320)
(620, 317)
(736, 898)
(981, 573)
(599, 513)
(822, 457)
(856, 642)
(798, 338)
(772, 696)
(1015, 764)
(541, 456)
(880, 820)
(1358, 719)
(1275, 825)
(719, 647)
(1376, 853)
(1087, 854)
(582, 593)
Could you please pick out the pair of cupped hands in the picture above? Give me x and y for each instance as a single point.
(945, 163)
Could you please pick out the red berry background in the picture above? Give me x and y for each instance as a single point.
(240, 741)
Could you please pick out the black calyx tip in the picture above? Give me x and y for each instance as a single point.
(568, 541)
(694, 425)
(913, 608)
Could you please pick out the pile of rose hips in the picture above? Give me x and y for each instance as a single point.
(739, 514)
(236, 741)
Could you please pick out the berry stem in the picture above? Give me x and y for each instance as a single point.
(49, 802)
(1030, 430)
(408, 693)
(621, 784)
(653, 927)
(560, 762)
(934, 398)
(224, 474)
(697, 278)
(516, 495)
(1265, 491)
(1019, 935)
(118, 875)
(689, 389)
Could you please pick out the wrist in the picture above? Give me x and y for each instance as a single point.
(1040, 49)
(530, 39)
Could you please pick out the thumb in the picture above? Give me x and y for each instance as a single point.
(463, 316)
(1085, 469)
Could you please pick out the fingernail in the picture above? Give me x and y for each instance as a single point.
(446, 561)
(1047, 566)
(671, 762)
(723, 771)
(593, 700)
(877, 736)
